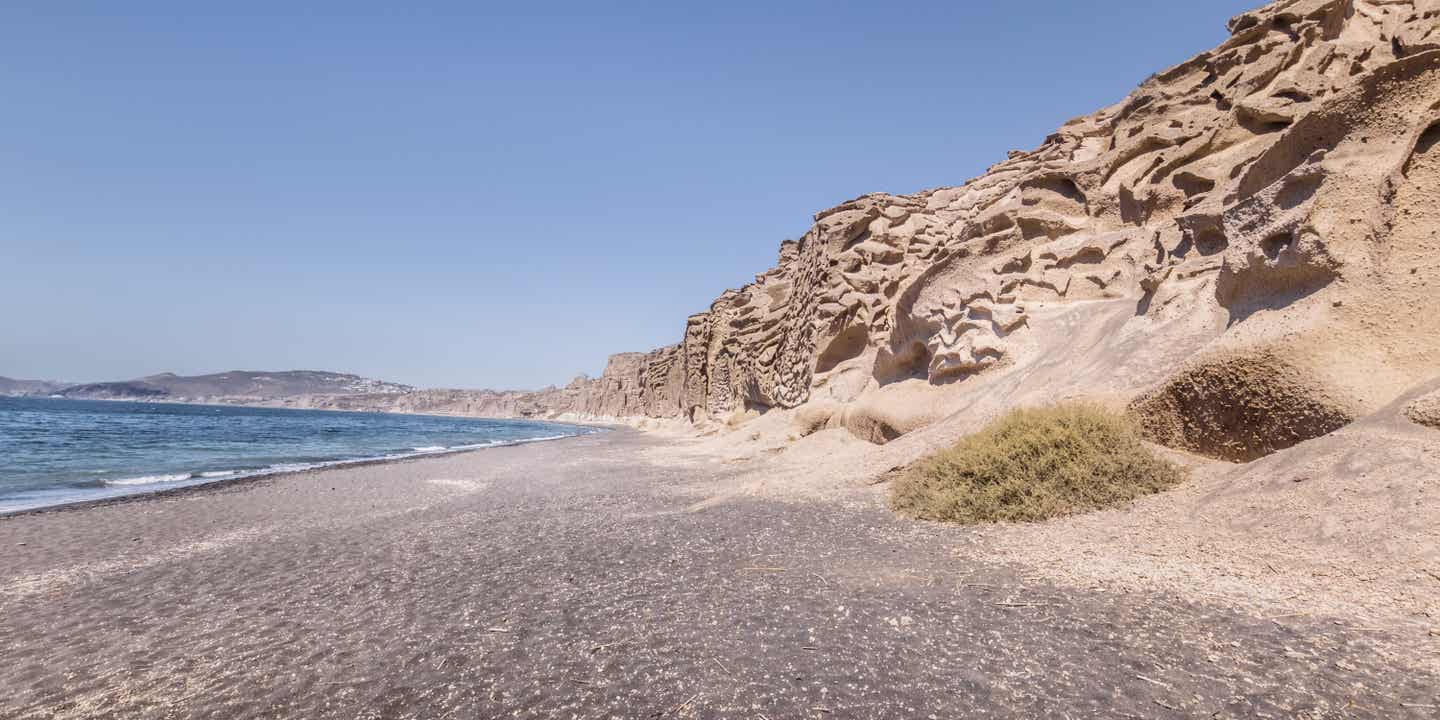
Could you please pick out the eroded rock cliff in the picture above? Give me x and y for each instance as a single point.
(1250, 234)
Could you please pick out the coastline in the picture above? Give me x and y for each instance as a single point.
(214, 402)
(566, 418)
(161, 489)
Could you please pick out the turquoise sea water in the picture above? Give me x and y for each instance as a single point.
(60, 451)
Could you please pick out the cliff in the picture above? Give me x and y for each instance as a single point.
(1243, 251)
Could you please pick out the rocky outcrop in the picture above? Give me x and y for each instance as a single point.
(1275, 198)
(1425, 411)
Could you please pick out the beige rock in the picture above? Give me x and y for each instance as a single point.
(1426, 410)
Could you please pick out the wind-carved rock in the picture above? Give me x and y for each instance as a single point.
(1284, 181)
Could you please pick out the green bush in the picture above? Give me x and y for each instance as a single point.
(1035, 464)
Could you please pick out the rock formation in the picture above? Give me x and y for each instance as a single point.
(1426, 410)
(1265, 214)
(1242, 253)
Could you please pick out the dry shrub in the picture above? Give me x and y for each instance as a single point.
(1035, 464)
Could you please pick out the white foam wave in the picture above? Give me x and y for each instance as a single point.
(507, 443)
(197, 477)
(148, 479)
(477, 446)
(293, 467)
(538, 439)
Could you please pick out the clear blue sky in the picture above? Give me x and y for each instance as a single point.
(486, 195)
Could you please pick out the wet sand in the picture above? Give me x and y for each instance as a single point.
(574, 579)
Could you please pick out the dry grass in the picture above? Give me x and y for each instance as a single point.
(1035, 464)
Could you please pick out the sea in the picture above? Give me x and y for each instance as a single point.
(56, 451)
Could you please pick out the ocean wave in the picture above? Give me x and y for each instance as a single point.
(507, 443)
(477, 446)
(296, 467)
(149, 479)
(539, 439)
(303, 466)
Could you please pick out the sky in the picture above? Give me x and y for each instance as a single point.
(473, 194)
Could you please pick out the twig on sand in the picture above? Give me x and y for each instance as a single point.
(602, 646)
(821, 578)
(722, 666)
(1432, 574)
(497, 630)
(1288, 615)
(825, 710)
(1021, 604)
(686, 704)
(1163, 704)
(1418, 705)
(1153, 681)
(761, 568)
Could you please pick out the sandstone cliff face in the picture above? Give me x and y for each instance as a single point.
(1264, 215)
(1283, 185)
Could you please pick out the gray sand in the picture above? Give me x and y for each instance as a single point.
(570, 580)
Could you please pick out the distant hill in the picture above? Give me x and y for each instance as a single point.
(304, 389)
(236, 386)
(13, 387)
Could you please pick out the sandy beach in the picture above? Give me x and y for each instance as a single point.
(1111, 391)
(578, 578)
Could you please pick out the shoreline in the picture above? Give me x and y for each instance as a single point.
(167, 490)
(268, 406)
(582, 420)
